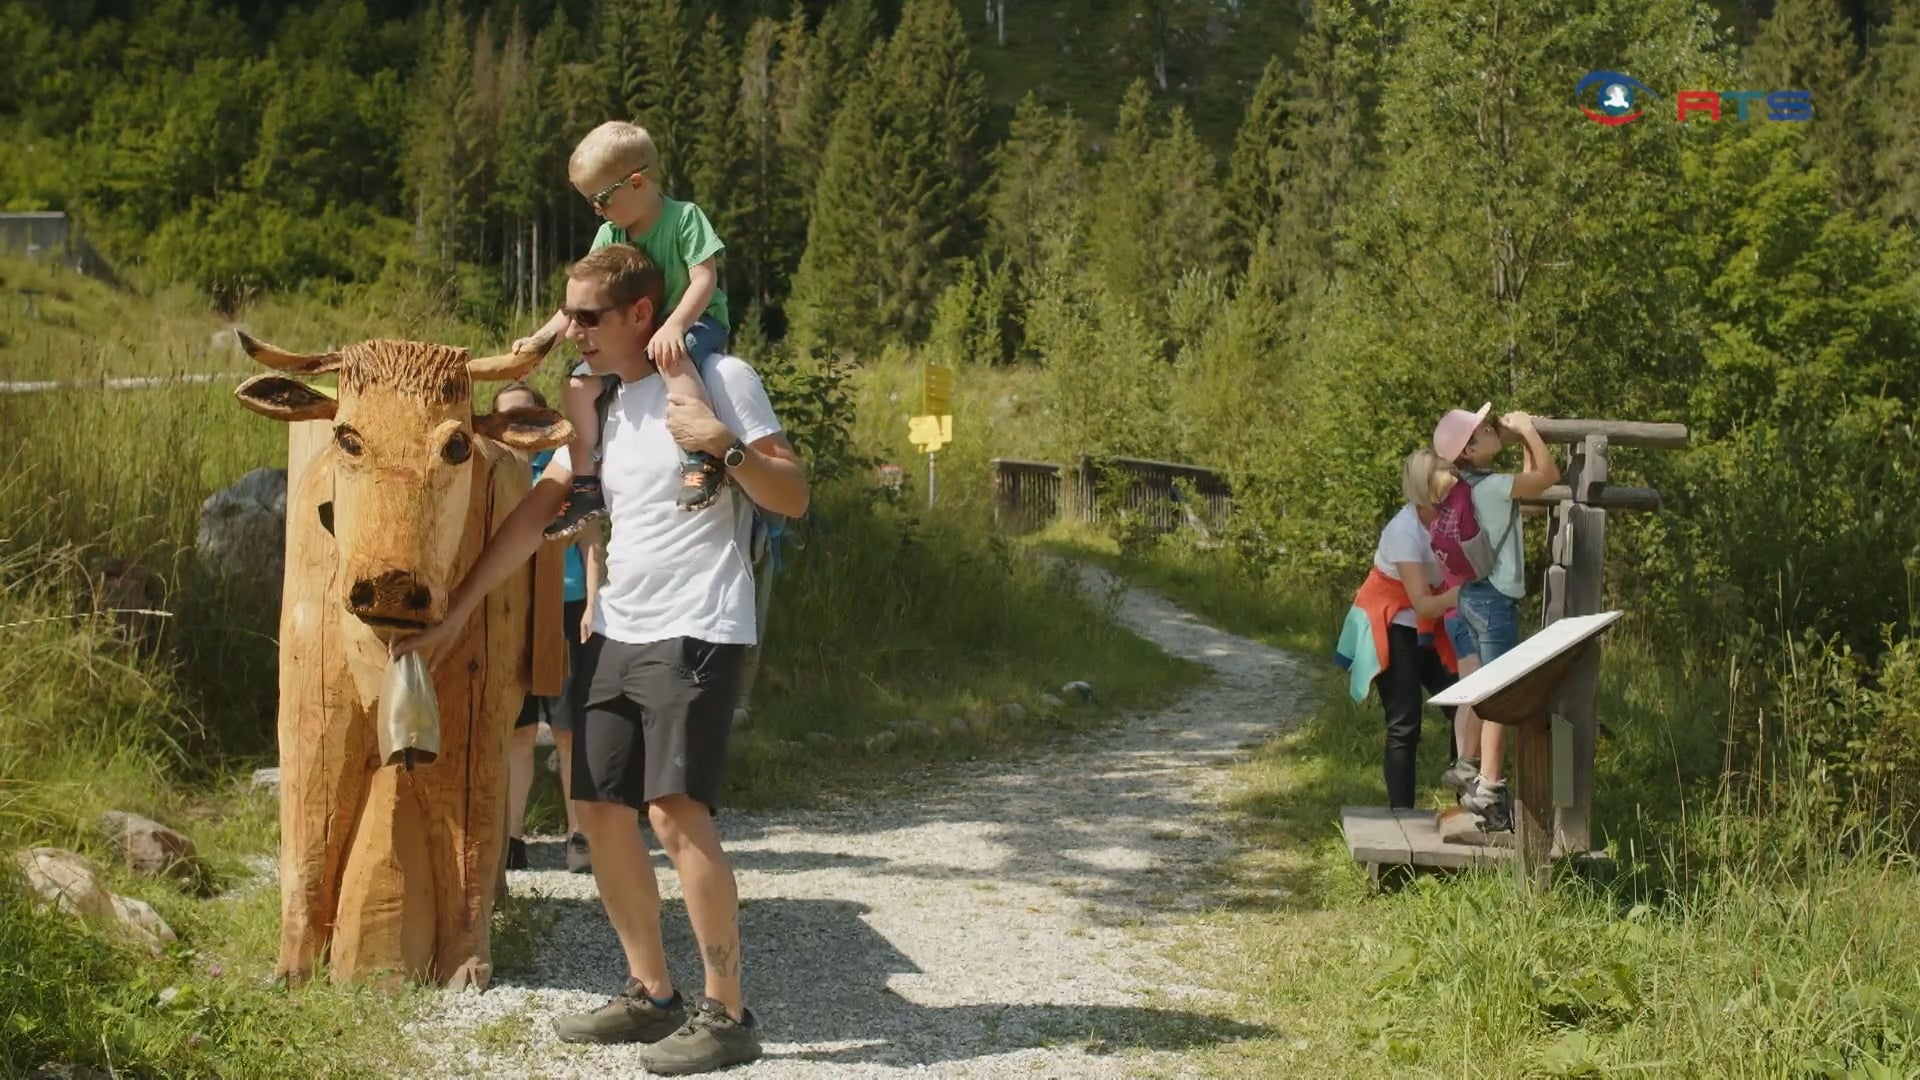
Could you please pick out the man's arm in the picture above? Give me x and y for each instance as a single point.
(519, 536)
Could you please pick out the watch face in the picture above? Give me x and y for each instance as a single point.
(735, 455)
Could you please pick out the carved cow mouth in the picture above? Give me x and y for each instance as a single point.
(385, 623)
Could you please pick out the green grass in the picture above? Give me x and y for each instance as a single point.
(1721, 943)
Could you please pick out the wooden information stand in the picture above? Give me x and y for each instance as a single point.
(1554, 744)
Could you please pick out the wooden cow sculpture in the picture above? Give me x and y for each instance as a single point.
(387, 873)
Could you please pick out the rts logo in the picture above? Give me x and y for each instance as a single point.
(1617, 101)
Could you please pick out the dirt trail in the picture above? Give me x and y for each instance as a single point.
(1014, 922)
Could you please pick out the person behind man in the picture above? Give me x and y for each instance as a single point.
(656, 689)
(580, 582)
(1486, 623)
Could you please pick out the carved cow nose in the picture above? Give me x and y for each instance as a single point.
(395, 594)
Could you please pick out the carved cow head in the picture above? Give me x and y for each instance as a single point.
(403, 450)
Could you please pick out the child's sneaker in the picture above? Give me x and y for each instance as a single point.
(1488, 798)
(701, 475)
(584, 504)
(1460, 776)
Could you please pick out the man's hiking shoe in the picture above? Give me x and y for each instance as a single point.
(701, 475)
(584, 503)
(628, 1017)
(578, 861)
(1460, 776)
(516, 853)
(709, 1040)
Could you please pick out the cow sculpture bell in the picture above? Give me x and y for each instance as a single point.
(409, 728)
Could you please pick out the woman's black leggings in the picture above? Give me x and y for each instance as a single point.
(1412, 672)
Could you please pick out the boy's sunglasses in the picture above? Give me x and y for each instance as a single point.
(588, 318)
(600, 201)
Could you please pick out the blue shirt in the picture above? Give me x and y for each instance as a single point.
(576, 572)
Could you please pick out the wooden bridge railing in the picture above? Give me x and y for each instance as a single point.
(1030, 494)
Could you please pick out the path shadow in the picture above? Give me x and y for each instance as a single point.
(817, 972)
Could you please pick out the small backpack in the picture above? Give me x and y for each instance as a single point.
(1465, 550)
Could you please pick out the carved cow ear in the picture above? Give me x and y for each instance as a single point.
(280, 398)
(281, 360)
(525, 429)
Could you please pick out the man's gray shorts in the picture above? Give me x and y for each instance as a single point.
(653, 720)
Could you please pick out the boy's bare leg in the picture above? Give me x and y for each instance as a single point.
(585, 501)
(681, 379)
(581, 397)
(686, 831)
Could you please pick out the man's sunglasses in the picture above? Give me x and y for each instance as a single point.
(588, 318)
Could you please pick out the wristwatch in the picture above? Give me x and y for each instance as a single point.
(736, 454)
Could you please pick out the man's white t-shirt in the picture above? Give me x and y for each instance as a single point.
(674, 573)
(1405, 539)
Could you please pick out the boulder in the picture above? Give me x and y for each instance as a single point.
(147, 846)
(881, 742)
(1077, 690)
(267, 780)
(819, 739)
(71, 885)
(243, 530)
(1012, 712)
(1050, 704)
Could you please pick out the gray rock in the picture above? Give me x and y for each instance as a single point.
(267, 780)
(791, 747)
(1012, 712)
(959, 725)
(1050, 704)
(881, 742)
(148, 847)
(1077, 690)
(243, 530)
(71, 884)
(819, 739)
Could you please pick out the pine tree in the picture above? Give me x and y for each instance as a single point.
(1119, 234)
(899, 187)
(847, 31)
(1186, 198)
(762, 212)
(1038, 181)
(1895, 91)
(1810, 45)
(647, 50)
(836, 294)
(440, 160)
(1261, 164)
(807, 95)
(711, 140)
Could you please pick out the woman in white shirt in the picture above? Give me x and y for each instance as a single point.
(1414, 666)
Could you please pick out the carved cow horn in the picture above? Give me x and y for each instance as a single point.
(281, 360)
(512, 365)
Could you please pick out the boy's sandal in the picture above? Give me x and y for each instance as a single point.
(701, 477)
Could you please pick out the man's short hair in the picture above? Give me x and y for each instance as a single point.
(628, 275)
(614, 149)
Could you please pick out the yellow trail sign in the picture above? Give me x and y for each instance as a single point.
(936, 390)
(929, 433)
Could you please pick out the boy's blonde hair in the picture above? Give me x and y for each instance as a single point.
(1425, 479)
(615, 148)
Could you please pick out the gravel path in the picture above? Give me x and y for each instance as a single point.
(1014, 921)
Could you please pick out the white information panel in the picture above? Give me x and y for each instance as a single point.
(1525, 657)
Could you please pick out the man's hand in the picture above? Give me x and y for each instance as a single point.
(693, 425)
(428, 643)
(668, 349)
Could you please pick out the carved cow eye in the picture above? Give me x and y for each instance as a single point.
(458, 449)
(348, 440)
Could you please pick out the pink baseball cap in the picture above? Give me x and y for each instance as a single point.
(1455, 430)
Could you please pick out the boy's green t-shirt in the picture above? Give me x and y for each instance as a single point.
(680, 240)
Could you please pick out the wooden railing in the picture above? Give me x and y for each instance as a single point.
(1030, 494)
